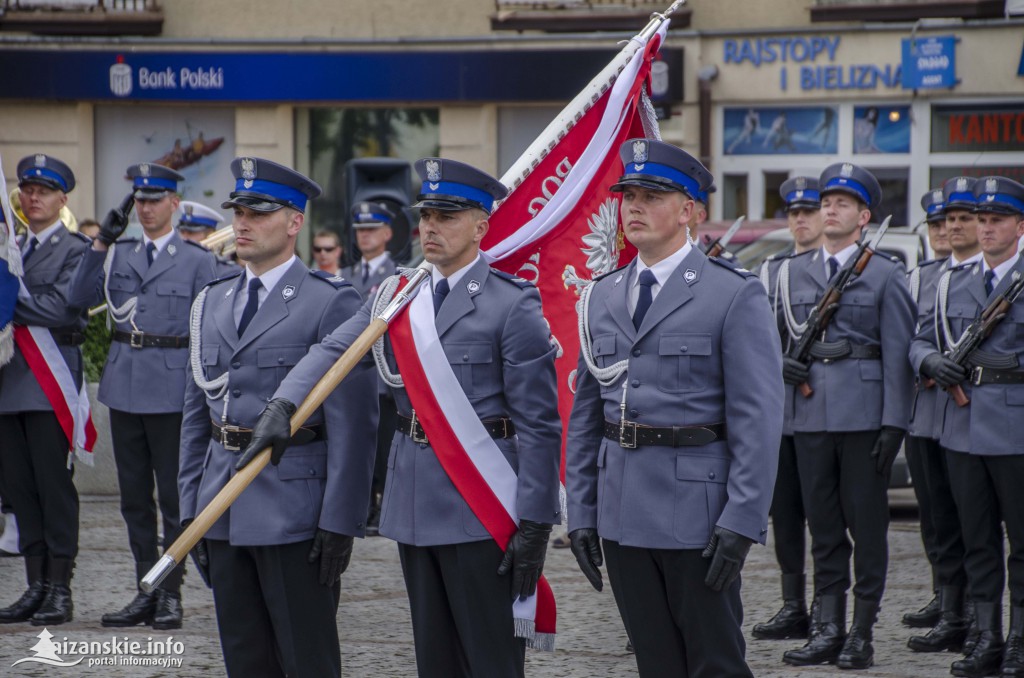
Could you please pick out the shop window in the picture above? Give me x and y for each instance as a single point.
(734, 196)
(773, 130)
(337, 135)
(518, 126)
(940, 174)
(774, 206)
(973, 129)
(881, 129)
(894, 182)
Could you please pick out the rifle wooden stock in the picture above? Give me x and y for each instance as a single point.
(956, 392)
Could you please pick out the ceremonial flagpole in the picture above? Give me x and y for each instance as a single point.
(178, 551)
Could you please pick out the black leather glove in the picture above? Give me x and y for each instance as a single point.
(334, 552)
(524, 557)
(586, 546)
(273, 429)
(727, 551)
(794, 372)
(944, 371)
(886, 448)
(116, 221)
(200, 556)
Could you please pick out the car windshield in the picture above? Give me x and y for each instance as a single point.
(751, 256)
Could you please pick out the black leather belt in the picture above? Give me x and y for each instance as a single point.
(830, 351)
(631, 435)
(498, 429)
(987, 375)
(236, 438)
(145, 340)
(68, 338)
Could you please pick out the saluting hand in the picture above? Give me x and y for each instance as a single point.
(524, 557)
(116, 221)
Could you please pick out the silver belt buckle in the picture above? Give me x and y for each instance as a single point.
(976, 375)
(224, 431)
(135, 341)
(627, 442)
(504, 428)
(422, 439)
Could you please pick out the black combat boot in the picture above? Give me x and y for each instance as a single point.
(826, 635)
(857, 652)
(32, 598)
(987, 654)
(926, 617)
(373, 517)
(1013, 655)
(972, 628)
(168, 612)
(139, 610)
(57, 607)
(792, 620)
(951, 631)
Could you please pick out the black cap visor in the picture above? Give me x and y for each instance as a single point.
(803, 205)
(151, 194)
(993, 208)
(42, 181)
(649, 182)
(258, 202)
(447, 203)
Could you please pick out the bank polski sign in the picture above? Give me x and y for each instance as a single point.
(810, 63)
(929, 63)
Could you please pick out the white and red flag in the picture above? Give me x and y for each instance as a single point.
(559, 227)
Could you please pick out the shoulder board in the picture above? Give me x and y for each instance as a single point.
(605, 275)
(931, 262)
(125, 239)
(795, 254)
(335, 280)
(82, 237)
(963, 267)
(894, 259)
(521, 283)
(726, 264)
(229, 276)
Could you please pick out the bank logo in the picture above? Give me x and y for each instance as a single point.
(121, 78)
(46, 652)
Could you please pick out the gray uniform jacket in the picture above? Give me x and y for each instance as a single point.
(993, 422)
(497, 343)
(322, 484)
(876, 310)
(768, 273)
(929, 403)
(707, 352)
(48, 274)
(354, 274)
(164, 292)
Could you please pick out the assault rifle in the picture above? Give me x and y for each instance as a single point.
(980, 329)
(821, 315)
(718, 246)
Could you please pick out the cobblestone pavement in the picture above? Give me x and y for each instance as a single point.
(376, 637)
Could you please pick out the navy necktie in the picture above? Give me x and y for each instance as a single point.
(150, 253)
(643, 301)
(366, 272)
(833, 267)
(441, 290)
(32, 243)
(252, 304)
(989, 278)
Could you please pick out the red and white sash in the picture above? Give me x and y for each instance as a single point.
(466, 450)
(54, 376)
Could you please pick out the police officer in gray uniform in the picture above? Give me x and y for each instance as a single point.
(372, 223)
(493, 332)
(983, 439)
(36, 463)
(789, 523)
(148, 285)
(275, 558)
(197, 223)
(674, 433)
(940, 525)
(848, 431)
